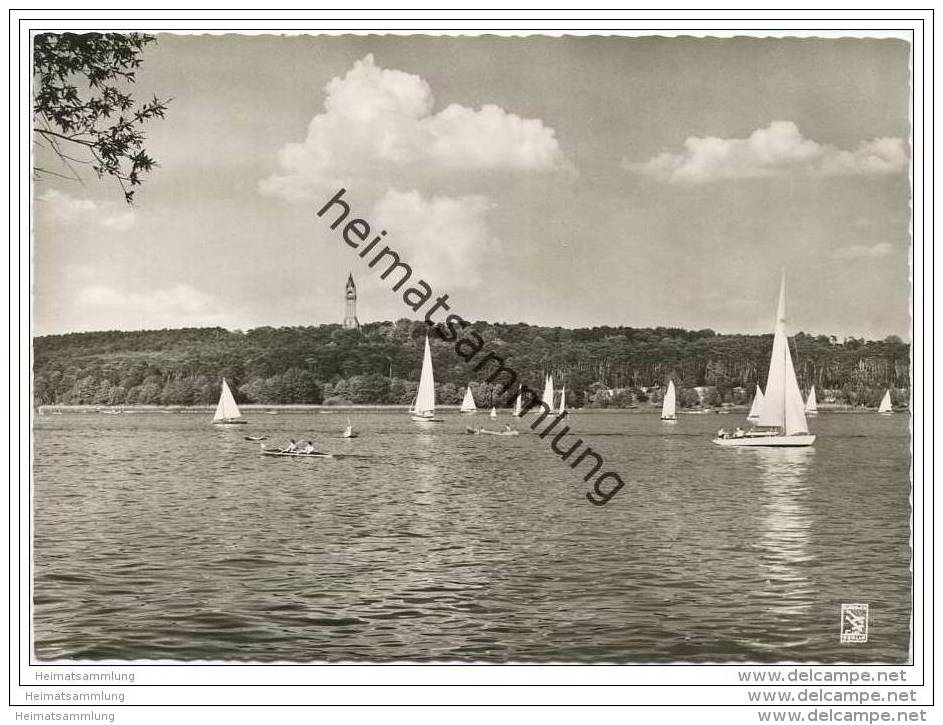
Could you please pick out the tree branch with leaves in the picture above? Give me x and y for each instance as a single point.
(83, 112)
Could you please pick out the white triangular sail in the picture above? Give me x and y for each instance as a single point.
(886, 405)
(494, 413)
(226, 409)
(517, 405)
(783, 406)
(468, 402)
(425, 397)
(548, 392)
(668, 404)
(757, 405)
(811, 404)
(562, 407)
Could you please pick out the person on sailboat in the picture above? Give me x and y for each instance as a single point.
(738, 432)
(309, 449)
(292, 447)
(722, 433)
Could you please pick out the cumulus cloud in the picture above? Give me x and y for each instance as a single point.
(379, 123)
(72, 210)
(777, 150)
(861, 251)
(447, 240)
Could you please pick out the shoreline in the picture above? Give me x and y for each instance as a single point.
(288, 407)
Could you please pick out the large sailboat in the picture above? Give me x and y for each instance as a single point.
(811, 404)
(783, 413)
(424, 408)
(754, 414)
(227, 412)
(668, 404)
(468, 402)
(886, 407)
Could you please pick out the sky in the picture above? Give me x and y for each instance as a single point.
(567, 181)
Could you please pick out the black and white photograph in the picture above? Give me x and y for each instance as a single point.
(470, 348)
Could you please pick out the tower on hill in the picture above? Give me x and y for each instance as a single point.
(350, 315)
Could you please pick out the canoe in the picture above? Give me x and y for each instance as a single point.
(284, 454)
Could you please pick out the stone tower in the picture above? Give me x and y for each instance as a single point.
(350, 315)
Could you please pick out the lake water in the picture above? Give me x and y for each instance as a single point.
(160, 536)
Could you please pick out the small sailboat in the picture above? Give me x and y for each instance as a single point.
(424, 407)
(783, 412)
(349, 430)
(811, 404)
(668, 404)
(886, 407)
(468, 403)
(562, 407)
(517, 406)
(493, 414)
(754, 414)
(227, 412)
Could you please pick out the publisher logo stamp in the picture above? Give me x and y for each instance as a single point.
(854, 623)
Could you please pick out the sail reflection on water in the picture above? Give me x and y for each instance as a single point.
(786, 524)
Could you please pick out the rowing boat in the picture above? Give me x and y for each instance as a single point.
(482, 431)
(296, 454)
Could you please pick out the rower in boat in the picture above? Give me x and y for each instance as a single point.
(722, 433)
(309, 449)
(292, 447)
(507, 428)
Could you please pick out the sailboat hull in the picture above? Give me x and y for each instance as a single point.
(769, 441)
(423, 419)
(669, 420)
(230, 422)
(468, 412)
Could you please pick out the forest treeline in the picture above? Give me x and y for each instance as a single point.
(600, 366)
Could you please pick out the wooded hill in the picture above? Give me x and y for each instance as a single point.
(600, 366)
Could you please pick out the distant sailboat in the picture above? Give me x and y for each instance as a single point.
(517, 406)
(811, 404)
(757, 406)
(886, 407)
(562, 407)
(468, 403)
(783, 411)
(227, 412)
(349, 430)
(548, 392)
(668, 404)
(424, 407)
(494, 413)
